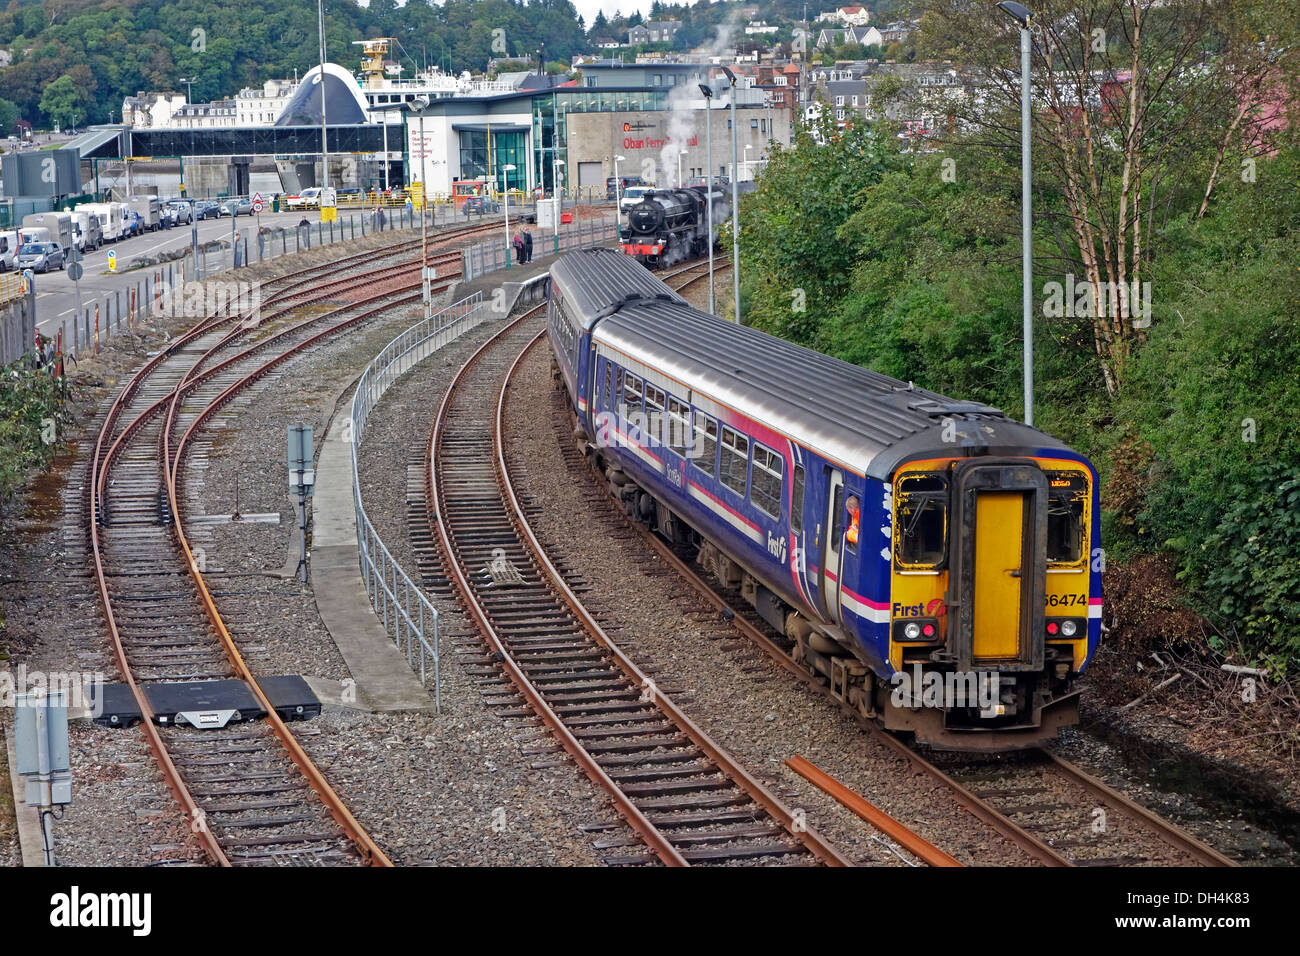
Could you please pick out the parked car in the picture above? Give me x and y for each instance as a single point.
(182, 210)
(307, 199)
(632, 196)
(481, 205)
(237, 207)
(134, 224)
(41, 256)
(206, 209)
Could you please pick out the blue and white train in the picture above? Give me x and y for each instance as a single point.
(931, 560)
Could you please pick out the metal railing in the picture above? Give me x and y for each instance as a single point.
(489, 256)
(397, 600)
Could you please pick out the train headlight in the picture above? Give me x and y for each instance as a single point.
(924, 629)
(1069, 628)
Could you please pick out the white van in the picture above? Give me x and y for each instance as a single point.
(109, 215)
(86, 230)
(8, 250)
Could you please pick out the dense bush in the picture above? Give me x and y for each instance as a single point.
(30, 415)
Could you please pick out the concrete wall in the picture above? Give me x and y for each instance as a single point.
(650, 153)
(17, 328)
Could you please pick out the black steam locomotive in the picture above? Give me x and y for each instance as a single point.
(669, 225)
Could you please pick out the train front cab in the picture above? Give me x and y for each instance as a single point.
(991, 580)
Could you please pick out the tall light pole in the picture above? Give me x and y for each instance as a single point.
(618, 229)
(320, 79)
(557, 195)
(1023, 17)
(421, 103)
(505, 196)
(189, 89)
(708, 172)
(735, 203)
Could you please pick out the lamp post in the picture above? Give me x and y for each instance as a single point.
(735, 204)
(505, 196)
(421, 103)
(618, 229)
(557, 195)
(189, 89)
(1024, 18)
(320, 79)
(708, 172)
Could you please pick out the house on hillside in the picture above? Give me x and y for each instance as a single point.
(656, 31)
(852, 16)
(151, 110)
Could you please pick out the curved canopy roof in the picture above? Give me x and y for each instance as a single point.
(344, 103)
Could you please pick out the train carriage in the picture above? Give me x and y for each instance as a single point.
(898, 538)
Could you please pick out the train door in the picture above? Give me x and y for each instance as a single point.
(998, 564)
(833, 546)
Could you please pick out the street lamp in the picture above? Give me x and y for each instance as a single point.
(735, 203)
(558, 196)
(189, 89)
(1024, 18)
(324, 143)
(505, 195)
(618, 227)
(708, 170)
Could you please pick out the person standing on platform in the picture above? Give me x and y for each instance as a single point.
(528, 246)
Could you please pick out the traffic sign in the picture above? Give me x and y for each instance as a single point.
(112, 261)
(257, 205)
(74, 271)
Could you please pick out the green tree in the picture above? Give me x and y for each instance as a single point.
(61, 102)
(8, 116)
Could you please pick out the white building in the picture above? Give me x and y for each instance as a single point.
(852, 16)
(204, 115)
(261, 107)
(151, 110)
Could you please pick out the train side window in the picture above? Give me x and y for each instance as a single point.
(654, 413)
(765, 488)
(679, 426)
(609, 382)
(796, 501)
(706, 444)
(1065, 532)
(735, 460)
(631, 395)
(921, 520)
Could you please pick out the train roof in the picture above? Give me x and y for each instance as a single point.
(596, 281)
(866, 421)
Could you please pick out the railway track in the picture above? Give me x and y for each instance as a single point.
(249, 791)
(685, 799)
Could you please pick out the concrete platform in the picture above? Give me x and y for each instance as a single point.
(31, 843)
(384, 681)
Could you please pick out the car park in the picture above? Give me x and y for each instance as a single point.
(40, 256)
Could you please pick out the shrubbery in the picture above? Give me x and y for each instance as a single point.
(30, 413)
(919, 277)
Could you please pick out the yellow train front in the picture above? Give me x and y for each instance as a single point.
(995, 597)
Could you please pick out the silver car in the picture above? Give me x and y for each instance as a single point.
(40, 256)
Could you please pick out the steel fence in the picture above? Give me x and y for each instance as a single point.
(487, 257)
(396, 599)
